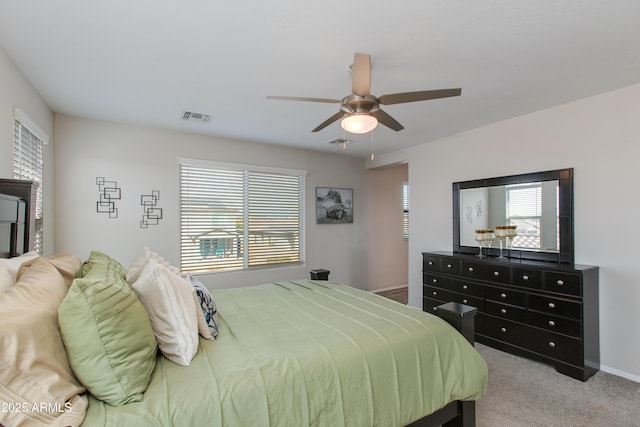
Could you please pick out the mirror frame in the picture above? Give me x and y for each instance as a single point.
(565, 213)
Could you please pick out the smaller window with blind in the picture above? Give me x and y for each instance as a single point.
(235, 217)
(526, 204)
(28, 164)
(405, 211)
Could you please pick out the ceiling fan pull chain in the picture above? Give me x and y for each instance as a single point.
(372, 156)
(344, 140)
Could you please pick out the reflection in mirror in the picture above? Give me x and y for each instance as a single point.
(531, 207)
(538, 204)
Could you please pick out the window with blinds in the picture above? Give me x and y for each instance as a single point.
(524, 209)
(239, 216)
(405, 211)
(27, 165)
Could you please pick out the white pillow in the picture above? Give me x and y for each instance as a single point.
(11, 266)
(169, 301)
(145, 255)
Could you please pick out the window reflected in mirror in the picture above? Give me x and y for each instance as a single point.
(531, 207)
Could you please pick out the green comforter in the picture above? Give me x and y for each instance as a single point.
(304, 353)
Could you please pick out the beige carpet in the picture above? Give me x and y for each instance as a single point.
(524, 393)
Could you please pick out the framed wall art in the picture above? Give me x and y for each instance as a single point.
(334, 205)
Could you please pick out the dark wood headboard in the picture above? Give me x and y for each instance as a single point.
(17, 216)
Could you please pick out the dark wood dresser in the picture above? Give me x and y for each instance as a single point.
(12, 226)
(540, 310)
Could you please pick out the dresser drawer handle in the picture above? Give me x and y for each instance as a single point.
(430, 262)
(552, 323)
(496, 273)
(464, 301)
(560, 283)
(525, 277)
(552, 305)
(448, 265)
(465, 287)
(503, 330)
(552, 344)
(470, 269)
(434, 293)
(503, 311)
(503, 295)
(434, 280)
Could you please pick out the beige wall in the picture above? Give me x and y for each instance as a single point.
(598, 137)
(16, 91)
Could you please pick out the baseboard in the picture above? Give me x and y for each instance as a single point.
(619, 373)
(375, 291)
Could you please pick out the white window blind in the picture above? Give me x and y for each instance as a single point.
(239, 216)
(27, 165)
(524, 209)
(405, 211)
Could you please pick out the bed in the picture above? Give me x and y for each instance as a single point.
(291, 353)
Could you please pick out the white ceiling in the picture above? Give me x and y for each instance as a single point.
(147, 61)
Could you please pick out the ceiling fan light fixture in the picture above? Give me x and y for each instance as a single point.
(359, 123)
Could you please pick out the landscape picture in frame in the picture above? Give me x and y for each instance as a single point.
(334, 205)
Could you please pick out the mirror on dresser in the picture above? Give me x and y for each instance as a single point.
(539, 205)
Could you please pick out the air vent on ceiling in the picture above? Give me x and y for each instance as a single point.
(197, 117)
(339, 141)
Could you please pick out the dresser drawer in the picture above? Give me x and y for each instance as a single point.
(440, 265)
(470, 269)
(449, 266)
(430, 263)
(436, 280)
(505, 296)
(527, 278)
(559, 347)
(555, 306)
(505, 330)
(466, 287)
(562, 283)
(468, 300)
(554, 323)
(437, 293)
(497, 273)
(506, 311)
(547, 343)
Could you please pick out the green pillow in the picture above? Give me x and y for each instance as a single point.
(103, 264)
(107, 333)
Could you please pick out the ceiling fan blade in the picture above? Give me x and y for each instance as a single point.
(425, 95)
(387, 120)
(361, 74)
(330, 120)
(295, 98)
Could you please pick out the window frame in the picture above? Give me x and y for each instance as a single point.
(405, 210)
(28, 164)
(532, 220)
(238, 234)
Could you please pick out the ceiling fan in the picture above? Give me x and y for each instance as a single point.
(360, 112)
